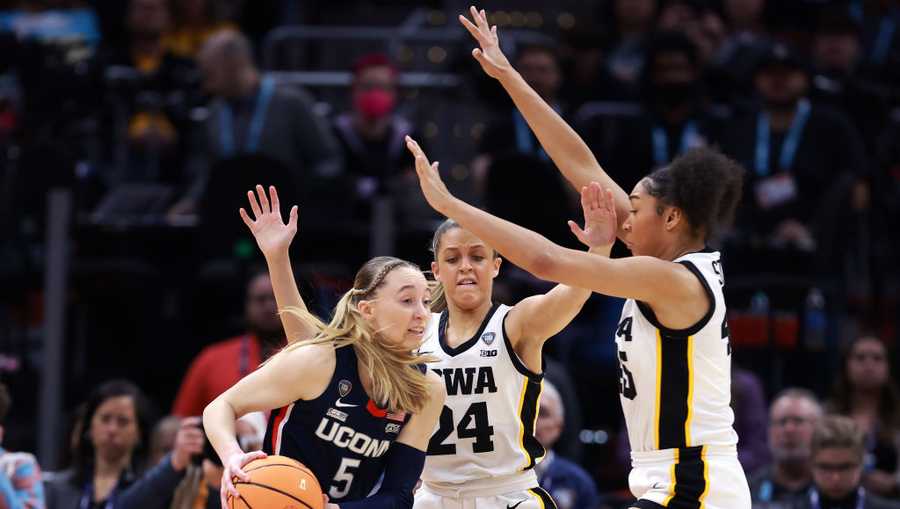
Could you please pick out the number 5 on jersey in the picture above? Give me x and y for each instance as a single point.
(626, 379)
(343, 475)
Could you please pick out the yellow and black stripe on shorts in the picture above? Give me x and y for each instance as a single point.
(690, 481)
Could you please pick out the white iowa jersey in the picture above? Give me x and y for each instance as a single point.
(675, 385)
(487, 426)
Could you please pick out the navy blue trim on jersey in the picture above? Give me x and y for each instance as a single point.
(648, 313)
(516, 361)
(469, 343)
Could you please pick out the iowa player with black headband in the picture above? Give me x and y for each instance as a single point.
(673, 347)
(351, 399)
(489, 356)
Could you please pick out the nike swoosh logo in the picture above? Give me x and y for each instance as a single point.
(515, 505)
(656, 486)
(343, 405)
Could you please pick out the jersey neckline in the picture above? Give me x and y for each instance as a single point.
(442, 335)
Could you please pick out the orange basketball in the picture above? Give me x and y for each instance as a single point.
(277, 482)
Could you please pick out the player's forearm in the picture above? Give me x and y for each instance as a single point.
(520, 246)
(564, 146)
(561, 142)
(287, 295)
(219, 425)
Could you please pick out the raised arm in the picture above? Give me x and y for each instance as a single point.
(661, 284)
(567, 150)
(274, 240)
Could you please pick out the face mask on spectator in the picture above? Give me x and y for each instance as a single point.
(375, 104)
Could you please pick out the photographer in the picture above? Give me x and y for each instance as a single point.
(200, 486)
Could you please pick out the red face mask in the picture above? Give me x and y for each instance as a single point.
(375, 104)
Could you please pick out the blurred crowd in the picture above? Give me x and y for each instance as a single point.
(156, 116)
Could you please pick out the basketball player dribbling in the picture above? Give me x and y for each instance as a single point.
(351, 400)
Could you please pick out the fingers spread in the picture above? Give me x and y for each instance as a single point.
(245, 217)
(254, 205)
(263, 199)
(276, 205)
(470, 27)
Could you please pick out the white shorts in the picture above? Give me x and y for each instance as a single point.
(689, 478)
(519, 492)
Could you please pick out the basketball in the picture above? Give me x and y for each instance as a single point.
(277, 482)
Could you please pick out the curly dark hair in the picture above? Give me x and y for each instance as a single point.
(705, 184)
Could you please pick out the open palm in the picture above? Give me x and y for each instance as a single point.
(271, 233)
(433, 188)
(600, 224)
(491, 58)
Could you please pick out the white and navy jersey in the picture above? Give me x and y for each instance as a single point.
(342, 436)
(675, 385)
(487, 426)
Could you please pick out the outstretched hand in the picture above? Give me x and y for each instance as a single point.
(436, 193)
(489, 55)
(600, 224)
(272, 235)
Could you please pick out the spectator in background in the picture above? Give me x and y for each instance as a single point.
(801, 158)
(509, 146)
(697, 20)
(221, 365)
(745, 43)
(866, 392)
(371, 134)
(251, 114)
(194, 23)
(837, 465)
(200, 486)
(569, 485)
(748, 400)
(108, 465)
(880, 37)
(673, 118)
(20, 475)
(842, 79)
(149, 91)
(634, 21)
(792, 418)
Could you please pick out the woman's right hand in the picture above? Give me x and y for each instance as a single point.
(272, 235)
(234, 467)
(489, 55)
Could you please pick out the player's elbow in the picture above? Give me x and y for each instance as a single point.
(544, 263)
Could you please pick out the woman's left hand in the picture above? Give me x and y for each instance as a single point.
(433, 187)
